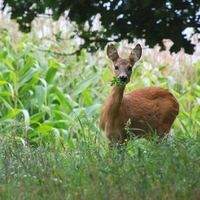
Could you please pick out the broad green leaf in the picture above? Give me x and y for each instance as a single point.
(87, 97)
(85, 84)
(40, 95)
(5, 94)
(92, 109)
(58, 124)
(11, 89)
(55, 64)
(30, 63)
(71, 101)
(8, 63)
(36, 117)
(43, 128)
(10, 115)
(20, 46)
(51, 74)
(30, 85)
(162, 68)
(61, 98)
(3, 82)
(65, 116)
(26, 118)
(27, 76)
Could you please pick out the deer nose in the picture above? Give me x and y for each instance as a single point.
(123, 78)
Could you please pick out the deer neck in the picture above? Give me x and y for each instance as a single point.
(114, 100)
(111, 108)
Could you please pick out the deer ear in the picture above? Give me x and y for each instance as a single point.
(136, 53)
(112, 52)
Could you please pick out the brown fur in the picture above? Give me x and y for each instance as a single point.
(150, 109)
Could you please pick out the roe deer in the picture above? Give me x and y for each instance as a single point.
(149, 109)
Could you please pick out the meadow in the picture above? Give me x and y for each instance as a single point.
(50, 101)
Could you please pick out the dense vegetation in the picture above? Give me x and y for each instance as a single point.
(119, 19)
(51, 145)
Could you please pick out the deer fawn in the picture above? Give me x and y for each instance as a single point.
(149, 109)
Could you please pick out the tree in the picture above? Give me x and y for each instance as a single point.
(124, 19)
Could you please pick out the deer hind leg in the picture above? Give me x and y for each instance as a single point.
(115, 138)
(166, 123)
(163, 130)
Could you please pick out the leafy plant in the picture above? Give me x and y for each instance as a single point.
(49, 132)
(118, 82)
(52, 95)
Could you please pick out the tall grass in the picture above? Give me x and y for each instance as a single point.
(147, 170)
(51, 144)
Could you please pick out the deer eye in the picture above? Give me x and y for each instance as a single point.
(116, 67)
(130, 68)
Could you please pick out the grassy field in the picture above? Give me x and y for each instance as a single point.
(147, 170)
(51, 144)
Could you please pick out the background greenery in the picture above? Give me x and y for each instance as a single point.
(51, 144)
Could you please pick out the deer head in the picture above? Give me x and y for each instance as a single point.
(123, 66)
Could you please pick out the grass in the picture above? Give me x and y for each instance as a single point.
(146, 170)
(51, 144)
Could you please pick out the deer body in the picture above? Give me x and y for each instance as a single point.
(150, 109)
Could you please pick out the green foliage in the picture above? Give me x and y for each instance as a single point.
(120, 19)
(118, 82)
(51, 144)
(45, 94)
(146, 170)
(53, 95)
